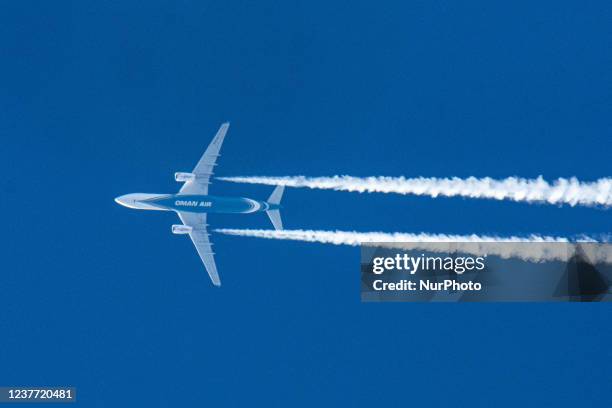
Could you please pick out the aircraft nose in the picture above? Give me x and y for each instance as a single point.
(124, 200)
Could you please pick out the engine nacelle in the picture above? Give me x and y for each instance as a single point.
(184, 177)
(181, 229)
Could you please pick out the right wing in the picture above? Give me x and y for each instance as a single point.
(204, 169)
(199, 237)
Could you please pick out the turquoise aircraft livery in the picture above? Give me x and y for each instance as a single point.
(192, 203)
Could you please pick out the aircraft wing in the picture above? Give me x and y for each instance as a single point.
(199, 236)
(204, 169)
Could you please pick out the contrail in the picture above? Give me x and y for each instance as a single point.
(547, 248)
(562, 191)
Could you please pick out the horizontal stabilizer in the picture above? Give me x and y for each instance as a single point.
(275, 218)
(277, 195)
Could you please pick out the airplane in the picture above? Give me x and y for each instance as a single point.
(192, 203)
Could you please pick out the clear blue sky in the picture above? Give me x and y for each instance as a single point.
(100, 99)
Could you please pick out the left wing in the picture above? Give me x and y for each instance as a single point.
(204, 169)
(199, 237)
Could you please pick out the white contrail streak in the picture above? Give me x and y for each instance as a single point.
(561, 191)
(547, 248)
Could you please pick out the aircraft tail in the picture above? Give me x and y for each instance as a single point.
(274, 214)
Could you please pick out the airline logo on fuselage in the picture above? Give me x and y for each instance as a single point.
(183, 203)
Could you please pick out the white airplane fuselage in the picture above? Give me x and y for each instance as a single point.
(194, 203)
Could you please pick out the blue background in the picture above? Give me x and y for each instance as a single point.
(100, 99)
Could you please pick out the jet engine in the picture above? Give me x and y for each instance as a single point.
(181, 229)
(184, 177)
